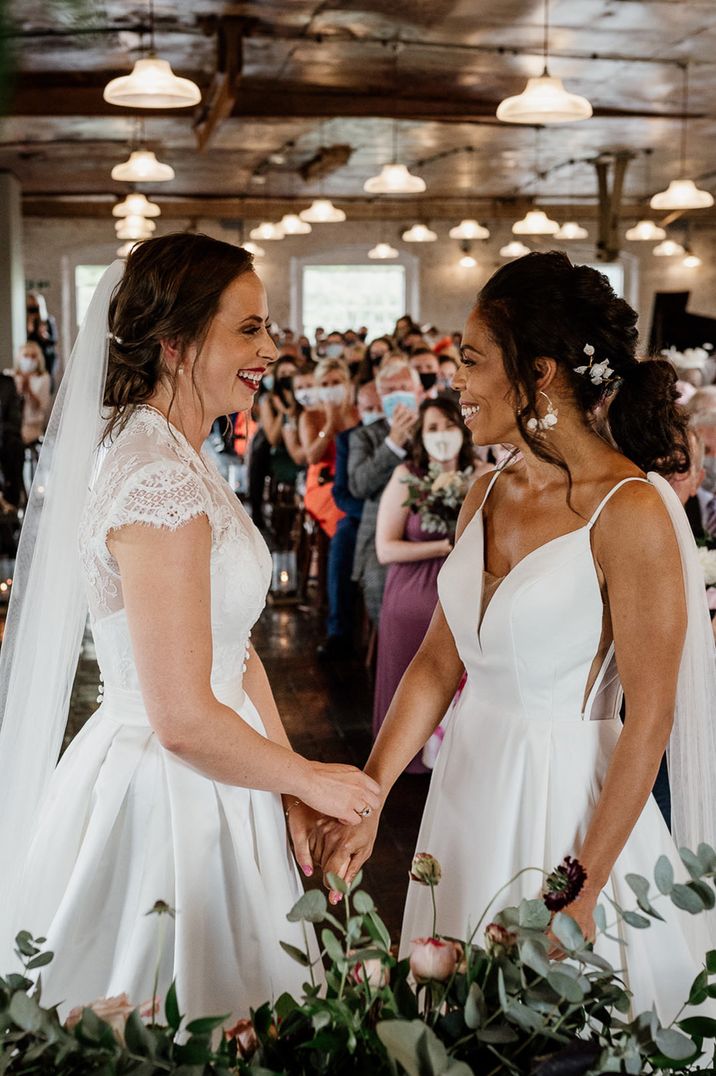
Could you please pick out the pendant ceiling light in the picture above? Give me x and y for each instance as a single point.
(469, 229)
(544, 99)
(668, 249)
(322, 211)
(381, 251)
(291, 224)
(691, 261)
(394, 179)
(152, 83)
(682, 193)
(645, 231)
(136, 205)
(514, 249)
(134, 228)
(266, 230)
(142, 167)
(535, 222)
(419, 233)
(571, 230)
(254, 248)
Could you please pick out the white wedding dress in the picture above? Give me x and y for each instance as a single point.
(525, 755)
(125, 823)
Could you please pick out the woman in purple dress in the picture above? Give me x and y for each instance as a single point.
(414, 553)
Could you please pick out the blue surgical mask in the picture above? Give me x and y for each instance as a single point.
(369, 417)
(267, 382)
(334, 351)
(395, 399)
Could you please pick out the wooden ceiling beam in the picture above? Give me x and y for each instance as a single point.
(219, 101)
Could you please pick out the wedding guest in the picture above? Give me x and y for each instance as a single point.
(413, 553)
(317, 428)
(448, 369)
(374, 453)
(426, 363)
(32, 382)
(12, 449)
(42, 328)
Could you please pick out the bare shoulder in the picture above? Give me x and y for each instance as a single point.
(473, 499)
(634, 528)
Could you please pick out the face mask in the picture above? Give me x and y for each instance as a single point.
(26, 365)
(307, 398)
(428, 381)
(306, 352)
(369, 417)
(376, 360)
(393, 399)
(267, 381)
(442, 445)
(334, 351)
(33, 310)
(283, 384)
(332, 394)
(709, 482)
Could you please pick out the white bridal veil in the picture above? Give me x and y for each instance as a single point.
(48, 607)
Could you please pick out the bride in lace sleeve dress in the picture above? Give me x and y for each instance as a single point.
(573, 584)
(172, 790)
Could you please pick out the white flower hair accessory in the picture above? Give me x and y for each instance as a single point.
(599, 373)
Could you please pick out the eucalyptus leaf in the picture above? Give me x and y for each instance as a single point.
(565, 986)
(699, 988)
(296, 954)
(524, 1017)
(664, 875)
(600, 918)
(474, 1007)
(567, 932)
(332, 946)
(638, 885)
(673, 1044)
(26, 1013)
(534, 914)
(362, 902)
(400, 1039)
(686, 899)
(533, 956)
(706, 854)
(336, 882)
(692, 864)
(496, 1035)
(635, 920)
(310, 908)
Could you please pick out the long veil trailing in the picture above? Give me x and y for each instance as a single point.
(48, 607)
(692, 747)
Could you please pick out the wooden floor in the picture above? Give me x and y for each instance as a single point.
(327, 713)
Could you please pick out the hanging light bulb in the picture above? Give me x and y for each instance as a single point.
(136, 205)
(134, 228)
(514, 249)
(535, 222)
(322, 211)
(291, 224)
(645, 231)
(152, 84)
(419, 233)
(682, 193)
(266, 230)
(394, 179)
(571, 230)
(544, 99)
(468, 262)
(126, 249)
(691, 261)
(254, 248)
(381, 251)
(142, 167)
(668, 249)
(469, 229)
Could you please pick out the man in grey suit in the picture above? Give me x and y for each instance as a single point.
(374, 453)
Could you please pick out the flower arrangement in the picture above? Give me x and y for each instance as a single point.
(691, 358)
(498, 1004)
(707, 559)
(437, 498)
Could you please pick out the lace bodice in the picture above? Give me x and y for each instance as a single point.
(151, 475)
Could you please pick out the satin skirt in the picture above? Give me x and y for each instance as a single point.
(509, 793)
(126, 824)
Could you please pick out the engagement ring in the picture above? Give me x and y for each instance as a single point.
(365, 812)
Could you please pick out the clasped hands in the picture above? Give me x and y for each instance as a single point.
(333, 846)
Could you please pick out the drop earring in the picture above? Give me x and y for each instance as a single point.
(547, 421)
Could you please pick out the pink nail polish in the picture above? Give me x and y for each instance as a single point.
(307, 869)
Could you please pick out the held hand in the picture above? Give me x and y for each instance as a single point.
(339, 791)
(402, 426)
(343, 850)
(301, 822)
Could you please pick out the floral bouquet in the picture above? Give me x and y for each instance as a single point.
(437, 498)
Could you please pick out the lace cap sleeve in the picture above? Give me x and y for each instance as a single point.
(161, 494)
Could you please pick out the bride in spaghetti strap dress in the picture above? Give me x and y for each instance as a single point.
(574, 583)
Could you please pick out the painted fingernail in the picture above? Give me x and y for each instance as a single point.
(334, 898)
(307, 869)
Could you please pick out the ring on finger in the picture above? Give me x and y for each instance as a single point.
(366, 812)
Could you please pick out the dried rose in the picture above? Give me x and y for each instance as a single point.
(564, 884)
(114, 1011)
(246, 1040)
(425, 869)
(371, 971)
(498, 939)
(433, 958)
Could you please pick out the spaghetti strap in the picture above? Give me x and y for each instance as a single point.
(612, 491)
(496, 474)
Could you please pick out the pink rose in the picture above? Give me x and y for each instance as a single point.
(245, 1034)
(371, 971)
(499, 939)
(114, 1011)
(433, 958)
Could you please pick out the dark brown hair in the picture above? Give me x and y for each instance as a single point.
(170, 290)
(543, 306)
(419, 455)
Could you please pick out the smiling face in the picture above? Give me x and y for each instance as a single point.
(237, 349)
(486, 396)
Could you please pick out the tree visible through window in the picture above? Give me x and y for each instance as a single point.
(347, 296)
